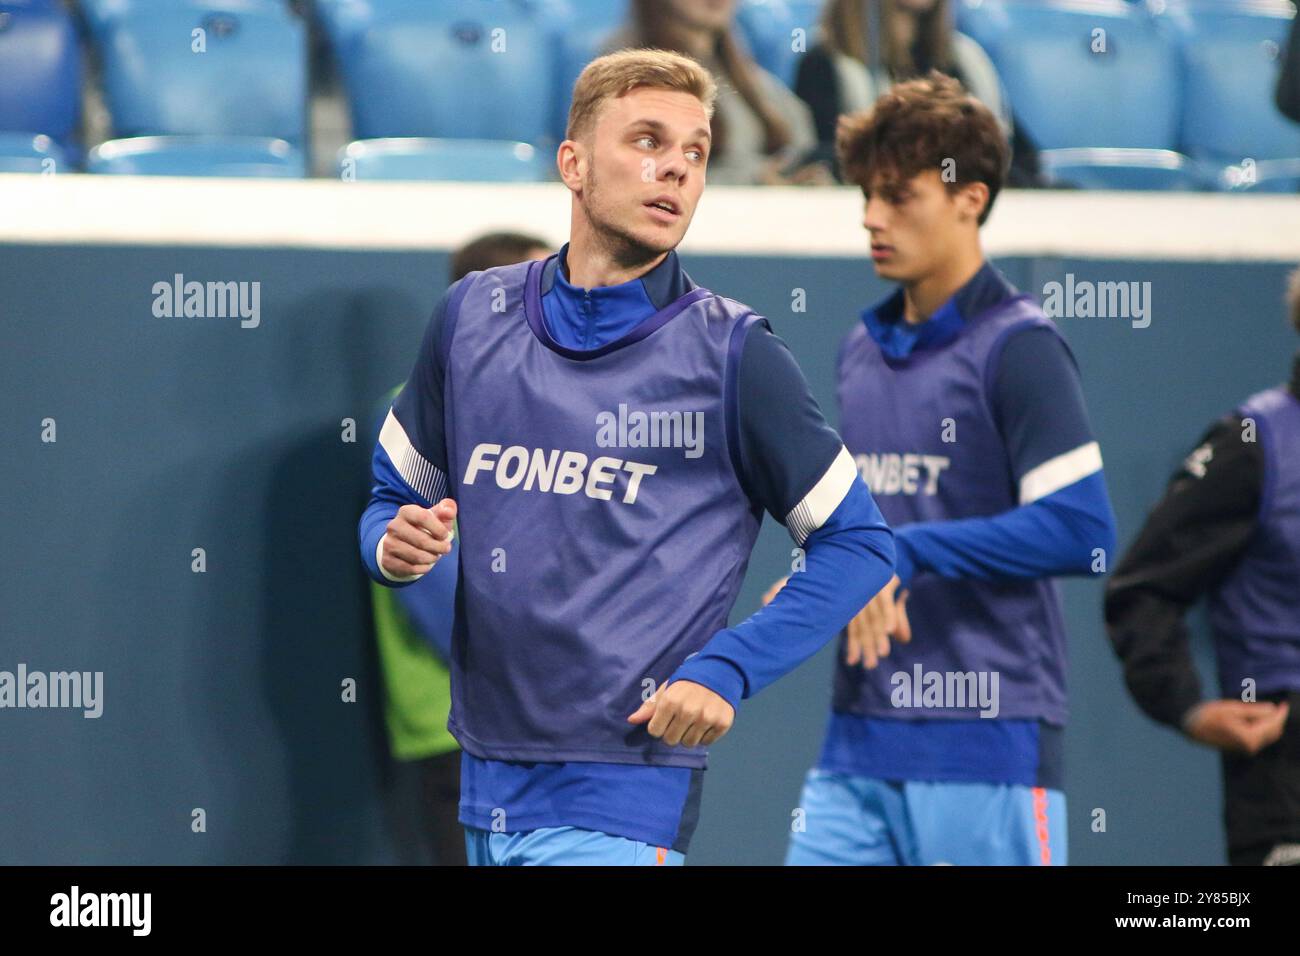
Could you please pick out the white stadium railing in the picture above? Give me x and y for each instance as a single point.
(822, 222)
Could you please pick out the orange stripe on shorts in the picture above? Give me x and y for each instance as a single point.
(1040, 826)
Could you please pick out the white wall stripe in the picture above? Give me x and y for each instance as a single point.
(737, 220)
(811, 513)
(1059, 472)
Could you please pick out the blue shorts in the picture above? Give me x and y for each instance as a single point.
(563, 846)
(861, 821)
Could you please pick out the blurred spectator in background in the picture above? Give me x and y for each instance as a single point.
(1228, 529)
(413, 630)
(866, 46)
(1288, 82)
(762, 132)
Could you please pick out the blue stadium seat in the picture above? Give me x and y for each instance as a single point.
(578, 47)
(1147, 169)
(588, 24)
(28, 153)
(1088, 74)
(233, 156)
(1258, 176)
(807, 16)
(606, 15)
(765, 26)
(249, 80)
(981, 20)
(211, 87)
(474, 69)
(40, 83)
(1230, 60)
(463, 160)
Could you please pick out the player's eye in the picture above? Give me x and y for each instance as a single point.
(647, 141)
(696, 155)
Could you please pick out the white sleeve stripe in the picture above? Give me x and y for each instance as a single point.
(416, 470)
(811, 513)
(1059, 472)
(379, 559)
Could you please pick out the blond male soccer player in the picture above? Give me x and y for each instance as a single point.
(607, 435)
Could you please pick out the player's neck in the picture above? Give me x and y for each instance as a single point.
(592, 264)
(922, 298)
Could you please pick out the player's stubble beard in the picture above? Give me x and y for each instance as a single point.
(622, 247)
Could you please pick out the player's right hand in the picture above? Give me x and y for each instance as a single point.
(1236, 725)
(871, 629)
(418, 537)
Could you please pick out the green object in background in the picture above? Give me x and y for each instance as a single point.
(417, 684)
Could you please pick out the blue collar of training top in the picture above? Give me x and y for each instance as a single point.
(898, 339)
(580, 318)
(665, 283)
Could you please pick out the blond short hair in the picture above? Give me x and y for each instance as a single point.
(617, 74)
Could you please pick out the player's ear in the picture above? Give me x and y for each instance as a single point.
(972, 200)
(571, 161)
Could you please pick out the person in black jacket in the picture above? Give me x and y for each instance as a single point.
(1228, 529)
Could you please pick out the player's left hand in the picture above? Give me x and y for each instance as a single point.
(685, 713)
(871, 629)
(773, 591)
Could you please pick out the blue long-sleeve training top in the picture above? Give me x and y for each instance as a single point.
(785, 449)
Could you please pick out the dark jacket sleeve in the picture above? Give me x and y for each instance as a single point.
(1288, 81)
(816, 84)
(1191, 541)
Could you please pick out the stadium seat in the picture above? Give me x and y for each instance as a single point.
(1260, 176)
(232, 156)
(40, 85)
(981, 20)
(578, 47)
(207, 85)
(606, 15)
(1089, 74)
(765, 26)
(1147, 169)
(1230, 62)
(474, 69)
(464, 160)
(28, 153)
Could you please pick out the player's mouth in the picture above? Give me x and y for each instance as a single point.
(881, 252)
(664, 209)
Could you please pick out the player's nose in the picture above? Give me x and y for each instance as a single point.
(673, 165)
(873, 216)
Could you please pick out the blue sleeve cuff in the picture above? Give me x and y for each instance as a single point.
(904, 558)
(371, 527)
(717, 675)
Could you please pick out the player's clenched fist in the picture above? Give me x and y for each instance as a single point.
(417, 538)
(685, 713)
